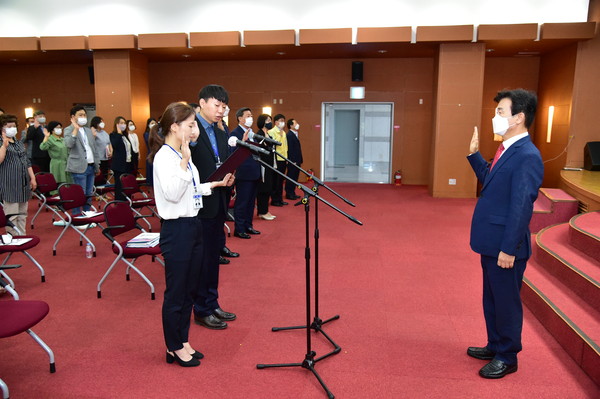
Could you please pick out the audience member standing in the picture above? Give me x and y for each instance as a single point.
(295, 156)
(179, 197)
(278, 134)
(102, 146)
(30, 122)
(266, 183)
(83, 162)
(247, 176)
(35, 136)
(55, 145)
(150, 123)
(16, 175)
(122, 154)
(209, 153)
(135, 146)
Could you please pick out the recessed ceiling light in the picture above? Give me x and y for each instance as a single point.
(489, 50)
(280, 53)
(186, 56)
(382, 51)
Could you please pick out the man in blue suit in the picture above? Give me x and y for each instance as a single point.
(294, 155)
(500, 227)
(247, 176)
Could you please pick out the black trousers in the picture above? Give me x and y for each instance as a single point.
(181, 246)
(293, 173)
(277, 195)
(243, 209)
(207, 294)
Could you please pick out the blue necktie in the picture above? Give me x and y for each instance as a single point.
(213, 139)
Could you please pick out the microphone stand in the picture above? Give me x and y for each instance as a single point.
(317, 323)
(309, 361)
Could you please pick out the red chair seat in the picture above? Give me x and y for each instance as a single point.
(35, 240)
(22, 315)
(80, 221)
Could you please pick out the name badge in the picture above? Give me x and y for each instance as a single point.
(218, 165)
(197, 199)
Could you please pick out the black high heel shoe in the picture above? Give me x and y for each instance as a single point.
(193, 362)
(197, 355)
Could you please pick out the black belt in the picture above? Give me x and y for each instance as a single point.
(90, 164)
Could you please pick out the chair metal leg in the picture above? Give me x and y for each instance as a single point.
(143, 276)
(10, 288)
(41, 343)
(35, 262)
(62, 233)
(4, 387)
(112, 266)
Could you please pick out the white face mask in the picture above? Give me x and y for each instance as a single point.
(280, 125)
(82, 121)
(101, 125)
(296, 126)
(122, 127)
(10, 132)
(500, 125)
(58, 131)
(42, 119)
(151, 125)
(249, 121)
(131, 128)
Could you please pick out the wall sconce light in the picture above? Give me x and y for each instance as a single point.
(29, 112)
(550, 120)
(357, 93)
(267, 110)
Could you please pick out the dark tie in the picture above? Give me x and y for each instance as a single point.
(497, 156)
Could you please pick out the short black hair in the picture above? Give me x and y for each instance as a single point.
(262, 118)
(524, 101)
(240, 112)
(194, 105)
(39, 112)
(214, 91)
(52, 125)
(278, 117)
(95, 121)
(290, 123)
(76, 109)
(2, 110)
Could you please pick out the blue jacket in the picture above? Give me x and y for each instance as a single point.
(250, 168)
(505, 206)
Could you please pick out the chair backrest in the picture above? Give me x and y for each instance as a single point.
(45, 182)
(73, 194)
(3, 220)
(129, 183)
(119, 213)
(35, 168)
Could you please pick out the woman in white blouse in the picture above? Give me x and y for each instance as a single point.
(135, 145)
(178, 194)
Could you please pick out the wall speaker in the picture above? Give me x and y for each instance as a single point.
(91, 74)
(591, 155)
(357, 71)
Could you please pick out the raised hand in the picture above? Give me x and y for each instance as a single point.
(474, 146)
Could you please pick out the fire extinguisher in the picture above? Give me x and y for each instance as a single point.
(398, 177)
(311, 173)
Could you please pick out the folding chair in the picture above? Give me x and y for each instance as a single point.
(72, 196)
(20, 316)
(103, 190)
(12, 247)
(120, 219)
(130, 188)
(46, 184)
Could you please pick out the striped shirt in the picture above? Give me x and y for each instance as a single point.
(14, 177)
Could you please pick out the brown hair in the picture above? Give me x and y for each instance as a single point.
(116, 122)
(5, 119)
(174, 113)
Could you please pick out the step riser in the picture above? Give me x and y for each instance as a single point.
(578, 284)
(584, 243)
(582, 353)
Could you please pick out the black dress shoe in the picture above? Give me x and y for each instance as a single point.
(277, 203)
(252, 231)
(193, 362)
(284, 203)
(211, 321)
(223, 261)
(229, 253)
(292, 197)
(497, 369)
(197, 355)
(480, 353)
(223, 315)
(241, 235)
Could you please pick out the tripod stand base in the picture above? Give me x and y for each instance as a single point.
(316, 325)
(308, 363)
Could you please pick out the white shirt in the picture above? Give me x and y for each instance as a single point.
(88, 150)
(174, 187)
(507, 143)
(135, 142)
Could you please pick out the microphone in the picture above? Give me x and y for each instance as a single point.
(260, 138)
(235, 142)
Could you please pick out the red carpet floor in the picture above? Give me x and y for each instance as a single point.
(406, 285)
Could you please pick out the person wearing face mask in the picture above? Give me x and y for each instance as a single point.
(83, 162)
(135, 145)
(278, 133)
(150, 123)
(266, 183)
(247, 176)
(55, 145)
(122, 154)
(179, 196)
(30, 122)
(35, 136)
(294, 155)
(17, 180)
(102, 145)
(500, 227)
